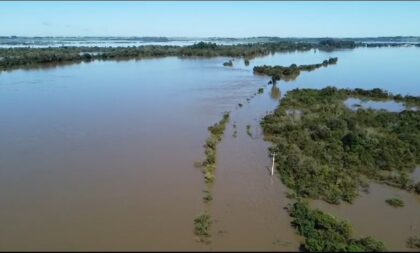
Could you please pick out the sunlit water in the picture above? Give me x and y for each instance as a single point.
(100, 155)
(388, 105)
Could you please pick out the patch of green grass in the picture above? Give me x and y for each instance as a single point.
(395, 202)
(202, 226)
(325, 233)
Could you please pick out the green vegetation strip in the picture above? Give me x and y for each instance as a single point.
(326, 150)
(325, 233)
(290, 73)
(203, 222)
(216, 133)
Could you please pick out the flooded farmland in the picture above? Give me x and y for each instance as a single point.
(100, 155)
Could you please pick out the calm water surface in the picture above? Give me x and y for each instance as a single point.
(100, 155)
(388, 105)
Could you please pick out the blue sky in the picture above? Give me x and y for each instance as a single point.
(202, 19)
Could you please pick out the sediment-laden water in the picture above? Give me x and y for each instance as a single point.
(101, 155)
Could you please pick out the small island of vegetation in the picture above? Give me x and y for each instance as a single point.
(290, 73)
(394, 202)
(202, 225)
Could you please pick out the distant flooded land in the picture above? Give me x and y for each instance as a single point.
(173, 143)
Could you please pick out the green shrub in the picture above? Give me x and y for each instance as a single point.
(202, 226)
(395, 202)
(323, 232)
(413, 242)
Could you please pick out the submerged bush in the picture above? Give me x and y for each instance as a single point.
(413, 242)
(202, 225)
(248, 130)
(395, 202)
(228, 63)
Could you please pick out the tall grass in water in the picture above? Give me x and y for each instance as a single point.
(202, 225)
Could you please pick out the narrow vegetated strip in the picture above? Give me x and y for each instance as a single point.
(202, 224)
(292, 72)
(210, 148)
(325, 233)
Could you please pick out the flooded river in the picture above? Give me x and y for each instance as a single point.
(100, 155)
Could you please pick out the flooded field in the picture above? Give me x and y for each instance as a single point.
(100, 155)
(371, 215)
(391, 106)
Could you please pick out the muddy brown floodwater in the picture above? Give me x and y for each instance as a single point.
(371, 215)
(100, 155)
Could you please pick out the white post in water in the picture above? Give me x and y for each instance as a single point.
(272, 166)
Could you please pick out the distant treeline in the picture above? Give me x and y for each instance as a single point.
(25, 56)
(21, 57)
(290, 73)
